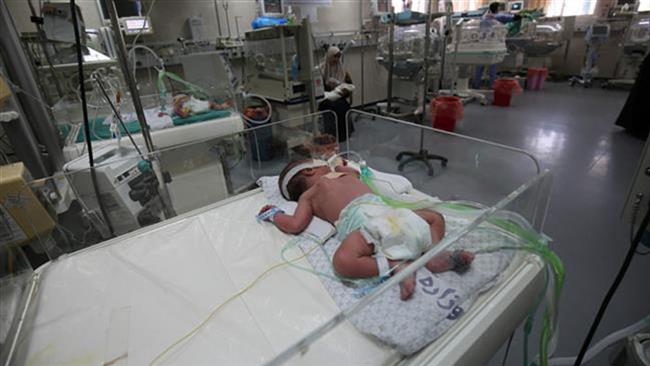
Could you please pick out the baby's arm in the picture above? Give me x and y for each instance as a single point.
(436, 222)
(296, 223)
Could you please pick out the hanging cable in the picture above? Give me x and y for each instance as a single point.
(84, 108)
(100, 83)
(145, 23)
(612, 290)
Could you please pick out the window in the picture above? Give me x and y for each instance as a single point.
(421, 5)
(644, 5)
(570, 7)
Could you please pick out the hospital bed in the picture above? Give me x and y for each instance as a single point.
(185, 130)
(126, 300)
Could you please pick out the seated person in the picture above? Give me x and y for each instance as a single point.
(375, 237)
(335, 75)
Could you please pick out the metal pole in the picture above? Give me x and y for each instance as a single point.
(446, 31)
(391, 59)
(363, 76)
(225, 9)
(425, 63)
(42, 40)
(128, 76)
(139, 111)
(31, 100)
(216, 11)
(306, 58)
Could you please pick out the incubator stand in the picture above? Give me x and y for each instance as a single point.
(536, 40)
(474, 42)
(210, 285)
(408, 58)
(636, 46)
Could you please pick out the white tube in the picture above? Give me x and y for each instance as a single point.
(604, 343)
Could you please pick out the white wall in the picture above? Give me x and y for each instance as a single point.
(169, 21)
(20, 12)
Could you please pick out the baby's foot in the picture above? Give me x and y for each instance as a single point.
(407, 286)
(458, 260)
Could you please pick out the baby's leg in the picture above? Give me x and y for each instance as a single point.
(354, 259)
(446, 260)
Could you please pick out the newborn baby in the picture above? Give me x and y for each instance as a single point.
(375, 238)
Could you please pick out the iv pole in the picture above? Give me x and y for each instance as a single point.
(423, 155)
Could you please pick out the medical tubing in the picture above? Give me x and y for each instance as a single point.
(131, 54)
(214, 312)
(444, 244)
(192, 88)
(291, 244)
(84, 108)
(100, 83)
(612, 290)
(549, 322)
(144, 24)
(605, 342)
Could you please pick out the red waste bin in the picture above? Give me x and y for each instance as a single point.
(504, 89)
(535, 77)
(445, 111)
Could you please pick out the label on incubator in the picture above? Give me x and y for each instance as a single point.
(10, 231)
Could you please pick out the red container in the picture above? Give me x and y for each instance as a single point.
(504, 89)
(535, 77)
(445, 111)
(501, 99)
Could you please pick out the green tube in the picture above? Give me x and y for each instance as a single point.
(532, 243)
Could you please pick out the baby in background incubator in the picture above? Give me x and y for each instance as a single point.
(376, 239)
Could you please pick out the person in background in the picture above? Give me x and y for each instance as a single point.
(487, 21)
(335, 79)
(633, 116)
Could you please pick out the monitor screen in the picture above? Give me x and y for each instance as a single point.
(272, 6)
(599, 30)
(136, 24)
(125, 8)
(516, 6)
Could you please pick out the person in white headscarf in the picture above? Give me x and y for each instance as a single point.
(332, 69)
(336, 79)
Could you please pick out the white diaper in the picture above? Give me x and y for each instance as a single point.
(398, 234)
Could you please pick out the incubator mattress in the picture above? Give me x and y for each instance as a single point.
(182, 133)
(124, 301)
(439, 301)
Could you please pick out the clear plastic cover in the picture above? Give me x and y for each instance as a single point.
(213, 285)
(408, 49)
(483, 35)
(639, 31)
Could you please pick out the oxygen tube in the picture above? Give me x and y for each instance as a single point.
(512, 225)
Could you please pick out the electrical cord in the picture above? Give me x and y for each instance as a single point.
(144, 24)
(192, 332)
(612, 290)
(84, 108)
(505, 356)
(635, 211)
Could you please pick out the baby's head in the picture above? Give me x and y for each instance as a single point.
(300, 175)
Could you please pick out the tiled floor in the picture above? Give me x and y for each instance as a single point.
(572, 132)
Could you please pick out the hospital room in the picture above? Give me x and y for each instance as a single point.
(325, 182)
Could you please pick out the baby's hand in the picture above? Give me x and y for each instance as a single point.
(267, 213)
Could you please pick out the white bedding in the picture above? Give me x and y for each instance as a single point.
(133, 296)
